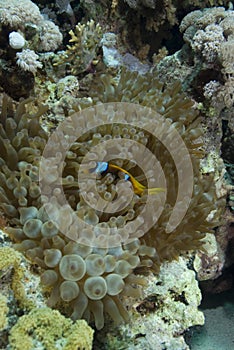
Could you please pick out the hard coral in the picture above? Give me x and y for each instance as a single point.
(16, 40)
(16, 14)
(34, 33)
(11, 259)
(28, 60)
(163, 14)
(3, 312)
(88, 272)
(169, 308)
(84, 44)
(210, 34)
(144, 17)
(25, 14)
(51, 330)
(49, 36)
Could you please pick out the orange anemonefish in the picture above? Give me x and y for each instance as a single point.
(103, 167)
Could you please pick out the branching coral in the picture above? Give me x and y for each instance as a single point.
(85, 270)
(84, 44)
(49, 329)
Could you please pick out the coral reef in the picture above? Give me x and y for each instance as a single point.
(159, 13)
(156, 13)
(214, 265)
(16, 40)
(15, 14)
(206, 3)
(41, 34)
(205, 68)
(23, 31)
(10, 259)
(209, 264)
(115, 55)
(140, 4)
(143, 21)
(169, 307)
(85, 40)
(210, 34)
(49, 37)
(3, 312)
(50, 330)
(28, 60)
(91, 279)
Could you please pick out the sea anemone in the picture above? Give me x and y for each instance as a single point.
(90, 254)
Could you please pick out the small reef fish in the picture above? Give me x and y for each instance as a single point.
(103, 167)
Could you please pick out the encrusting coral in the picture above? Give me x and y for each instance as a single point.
(3, 312)
(49, 329)
(11, 259)
(84, 274)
